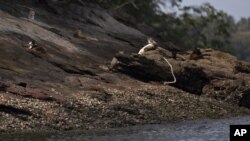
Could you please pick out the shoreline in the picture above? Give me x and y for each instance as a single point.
(104, 130)
(147, 104)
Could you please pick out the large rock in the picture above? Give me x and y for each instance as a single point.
(217, 75)
(141, 67)
(65, 55)
(152, 67)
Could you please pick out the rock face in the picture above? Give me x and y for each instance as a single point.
(217, 75)
(152, 67)
(141, 67)
(70, 85)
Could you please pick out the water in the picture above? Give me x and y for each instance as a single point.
(203, 130)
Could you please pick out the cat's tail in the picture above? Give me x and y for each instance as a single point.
(172, 72)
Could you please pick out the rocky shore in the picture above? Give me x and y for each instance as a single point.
(74, 86)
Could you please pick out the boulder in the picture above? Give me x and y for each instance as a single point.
(152, 67)
(217, 74)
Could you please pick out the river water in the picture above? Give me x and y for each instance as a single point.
(203, 130)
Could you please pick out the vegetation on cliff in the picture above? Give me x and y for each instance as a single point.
(207, 26)
(168, 20)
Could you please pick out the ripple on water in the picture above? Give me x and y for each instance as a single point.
(203, 130)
